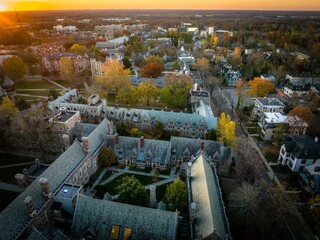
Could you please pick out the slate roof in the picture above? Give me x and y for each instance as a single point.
(210, 215)
(302, 147)
(83, 129)
(15, 216)
(100, 215)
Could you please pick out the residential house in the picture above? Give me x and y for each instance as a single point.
(262, 105)
(270, 120)
(298, 152)
(297, 85)
(310, 180)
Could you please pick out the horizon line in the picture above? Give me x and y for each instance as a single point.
(167, 9)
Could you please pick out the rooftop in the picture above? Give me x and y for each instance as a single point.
(67, 191)
(274, 117)
(269, 102)
(64, 116)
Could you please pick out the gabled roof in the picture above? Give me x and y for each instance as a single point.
(100, 215)
(7, 81)
(210, 215)
(302, 147)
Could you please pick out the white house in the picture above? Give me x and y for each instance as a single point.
(298, 152)
(262, 105)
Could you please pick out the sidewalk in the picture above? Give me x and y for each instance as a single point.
(53, 82)
(126, 170)
(96, 182)
(9, 187)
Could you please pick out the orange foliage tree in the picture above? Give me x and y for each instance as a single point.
(259, 87)
(305, 114)
(153, 67)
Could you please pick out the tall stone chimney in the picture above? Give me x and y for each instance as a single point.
(316, 139)
(141, 143)
(29, 205)
(45, 187)
(202, 146)
(116, 139)
(66, 140)
(85, 144)
(153, 196)
(21, 180)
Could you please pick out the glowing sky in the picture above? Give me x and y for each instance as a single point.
(162, 4)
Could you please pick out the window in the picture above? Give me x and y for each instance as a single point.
(127, 233)
(115, 232)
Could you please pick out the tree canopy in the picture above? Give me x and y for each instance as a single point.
(260, 87)
(79, 49)
(226, 130)
(305, 114)
(67, 71)
(131, 191)
(115, 77)
(176, 89)
(107, 157)
(14, 67)
(152, 68)
(8, 108)
(176, 196)
(148, 91)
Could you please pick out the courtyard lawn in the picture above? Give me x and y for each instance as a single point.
(105, 176)
(112, 187)
(34, 84)
(161, 191)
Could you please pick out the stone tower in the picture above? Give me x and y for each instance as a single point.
(8, 86)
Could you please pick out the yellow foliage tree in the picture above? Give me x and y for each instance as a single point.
(202, 64)
(226, 130)
(8, 108)
(259, 87)
(215, 41)
(148, 91)
(115, 77)
(67, 71)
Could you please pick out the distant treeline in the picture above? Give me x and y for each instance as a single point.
(17, 37)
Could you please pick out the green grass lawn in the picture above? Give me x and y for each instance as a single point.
(12, 159)
(112, 187)
(36, 93)
(7, 174)
(35, 84)
(161, 191)
(105, 176)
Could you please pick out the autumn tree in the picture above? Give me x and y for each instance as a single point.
(176, 89)
(128, 95)
(14, 67)
(131, 191)
(115, 77)
(107, 157)
(259, 87)
(176, 196)
(152, 68)
(215, 41)
(202, 64)
(79, 49)
(148, 91)
(244, 203)
(278, 134)
(226, 130)
(305, 114)
(212, 82)
(240, 85)
(67, 71)
(126, 62)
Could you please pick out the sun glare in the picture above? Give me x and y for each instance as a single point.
(2, 7)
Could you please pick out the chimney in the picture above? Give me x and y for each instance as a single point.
(153, 196)
(45, 187)
(128, 107)
(316, 139)
(21, 180)
(193, 208)
(117, 139)
(202, 146)
(116, 106)
(85, 144)
(66, 140)
(29, 204)
(141, 143)
(37, 162)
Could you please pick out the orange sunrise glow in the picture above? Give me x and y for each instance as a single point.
(164, 4)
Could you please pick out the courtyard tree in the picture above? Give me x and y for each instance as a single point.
(107, 157)
(176, 196)
(202, 64)
(128, 95)
(126, 62)
(131, 191)
(259, 87)
(14, 67)
(79, 49)
(278, 135)
(226, 130)
(176, 89)
(67, 71)
(115, 77)
(8, 108)
(148, 91)
(153, 67)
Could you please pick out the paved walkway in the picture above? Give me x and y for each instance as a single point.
(96, 182)
(113, 176)
(17, 164)
(53, 82)
(160, 182)
(9, 187)
(29, 95)
(126, 170)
